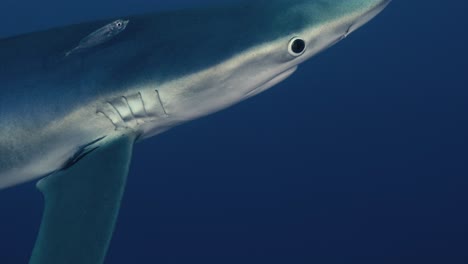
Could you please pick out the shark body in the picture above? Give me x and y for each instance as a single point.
(163, 70)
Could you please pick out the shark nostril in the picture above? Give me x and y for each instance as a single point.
(348, 31)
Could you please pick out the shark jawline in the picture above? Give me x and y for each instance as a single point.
(275, 80)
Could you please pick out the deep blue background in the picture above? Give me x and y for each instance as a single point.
(360, 157)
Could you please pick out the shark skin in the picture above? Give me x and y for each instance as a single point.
(163, 70)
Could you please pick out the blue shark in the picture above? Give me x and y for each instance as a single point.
(61, 115)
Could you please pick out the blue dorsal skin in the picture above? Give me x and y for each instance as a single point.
(162, 70)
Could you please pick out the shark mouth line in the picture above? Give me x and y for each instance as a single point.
(273, 81)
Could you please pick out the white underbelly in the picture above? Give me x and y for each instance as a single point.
(34, 155)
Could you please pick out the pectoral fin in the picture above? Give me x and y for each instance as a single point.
(81, 207)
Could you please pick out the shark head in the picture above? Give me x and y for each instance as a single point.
(252, 47)
(304, 29)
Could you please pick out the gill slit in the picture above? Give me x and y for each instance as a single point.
(143, 103)
(108, 117)
(160, 102)
(117, 110)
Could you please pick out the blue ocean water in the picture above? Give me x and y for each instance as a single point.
(360, 157)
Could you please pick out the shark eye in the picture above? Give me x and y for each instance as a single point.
(297, 47)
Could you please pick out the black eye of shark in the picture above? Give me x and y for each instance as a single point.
(297, 47)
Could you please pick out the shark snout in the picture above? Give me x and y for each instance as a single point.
(367, 15)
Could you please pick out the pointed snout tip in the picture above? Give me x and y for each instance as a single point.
(381, 6)
(385, 3)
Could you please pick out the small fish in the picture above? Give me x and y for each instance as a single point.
(100, 36)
